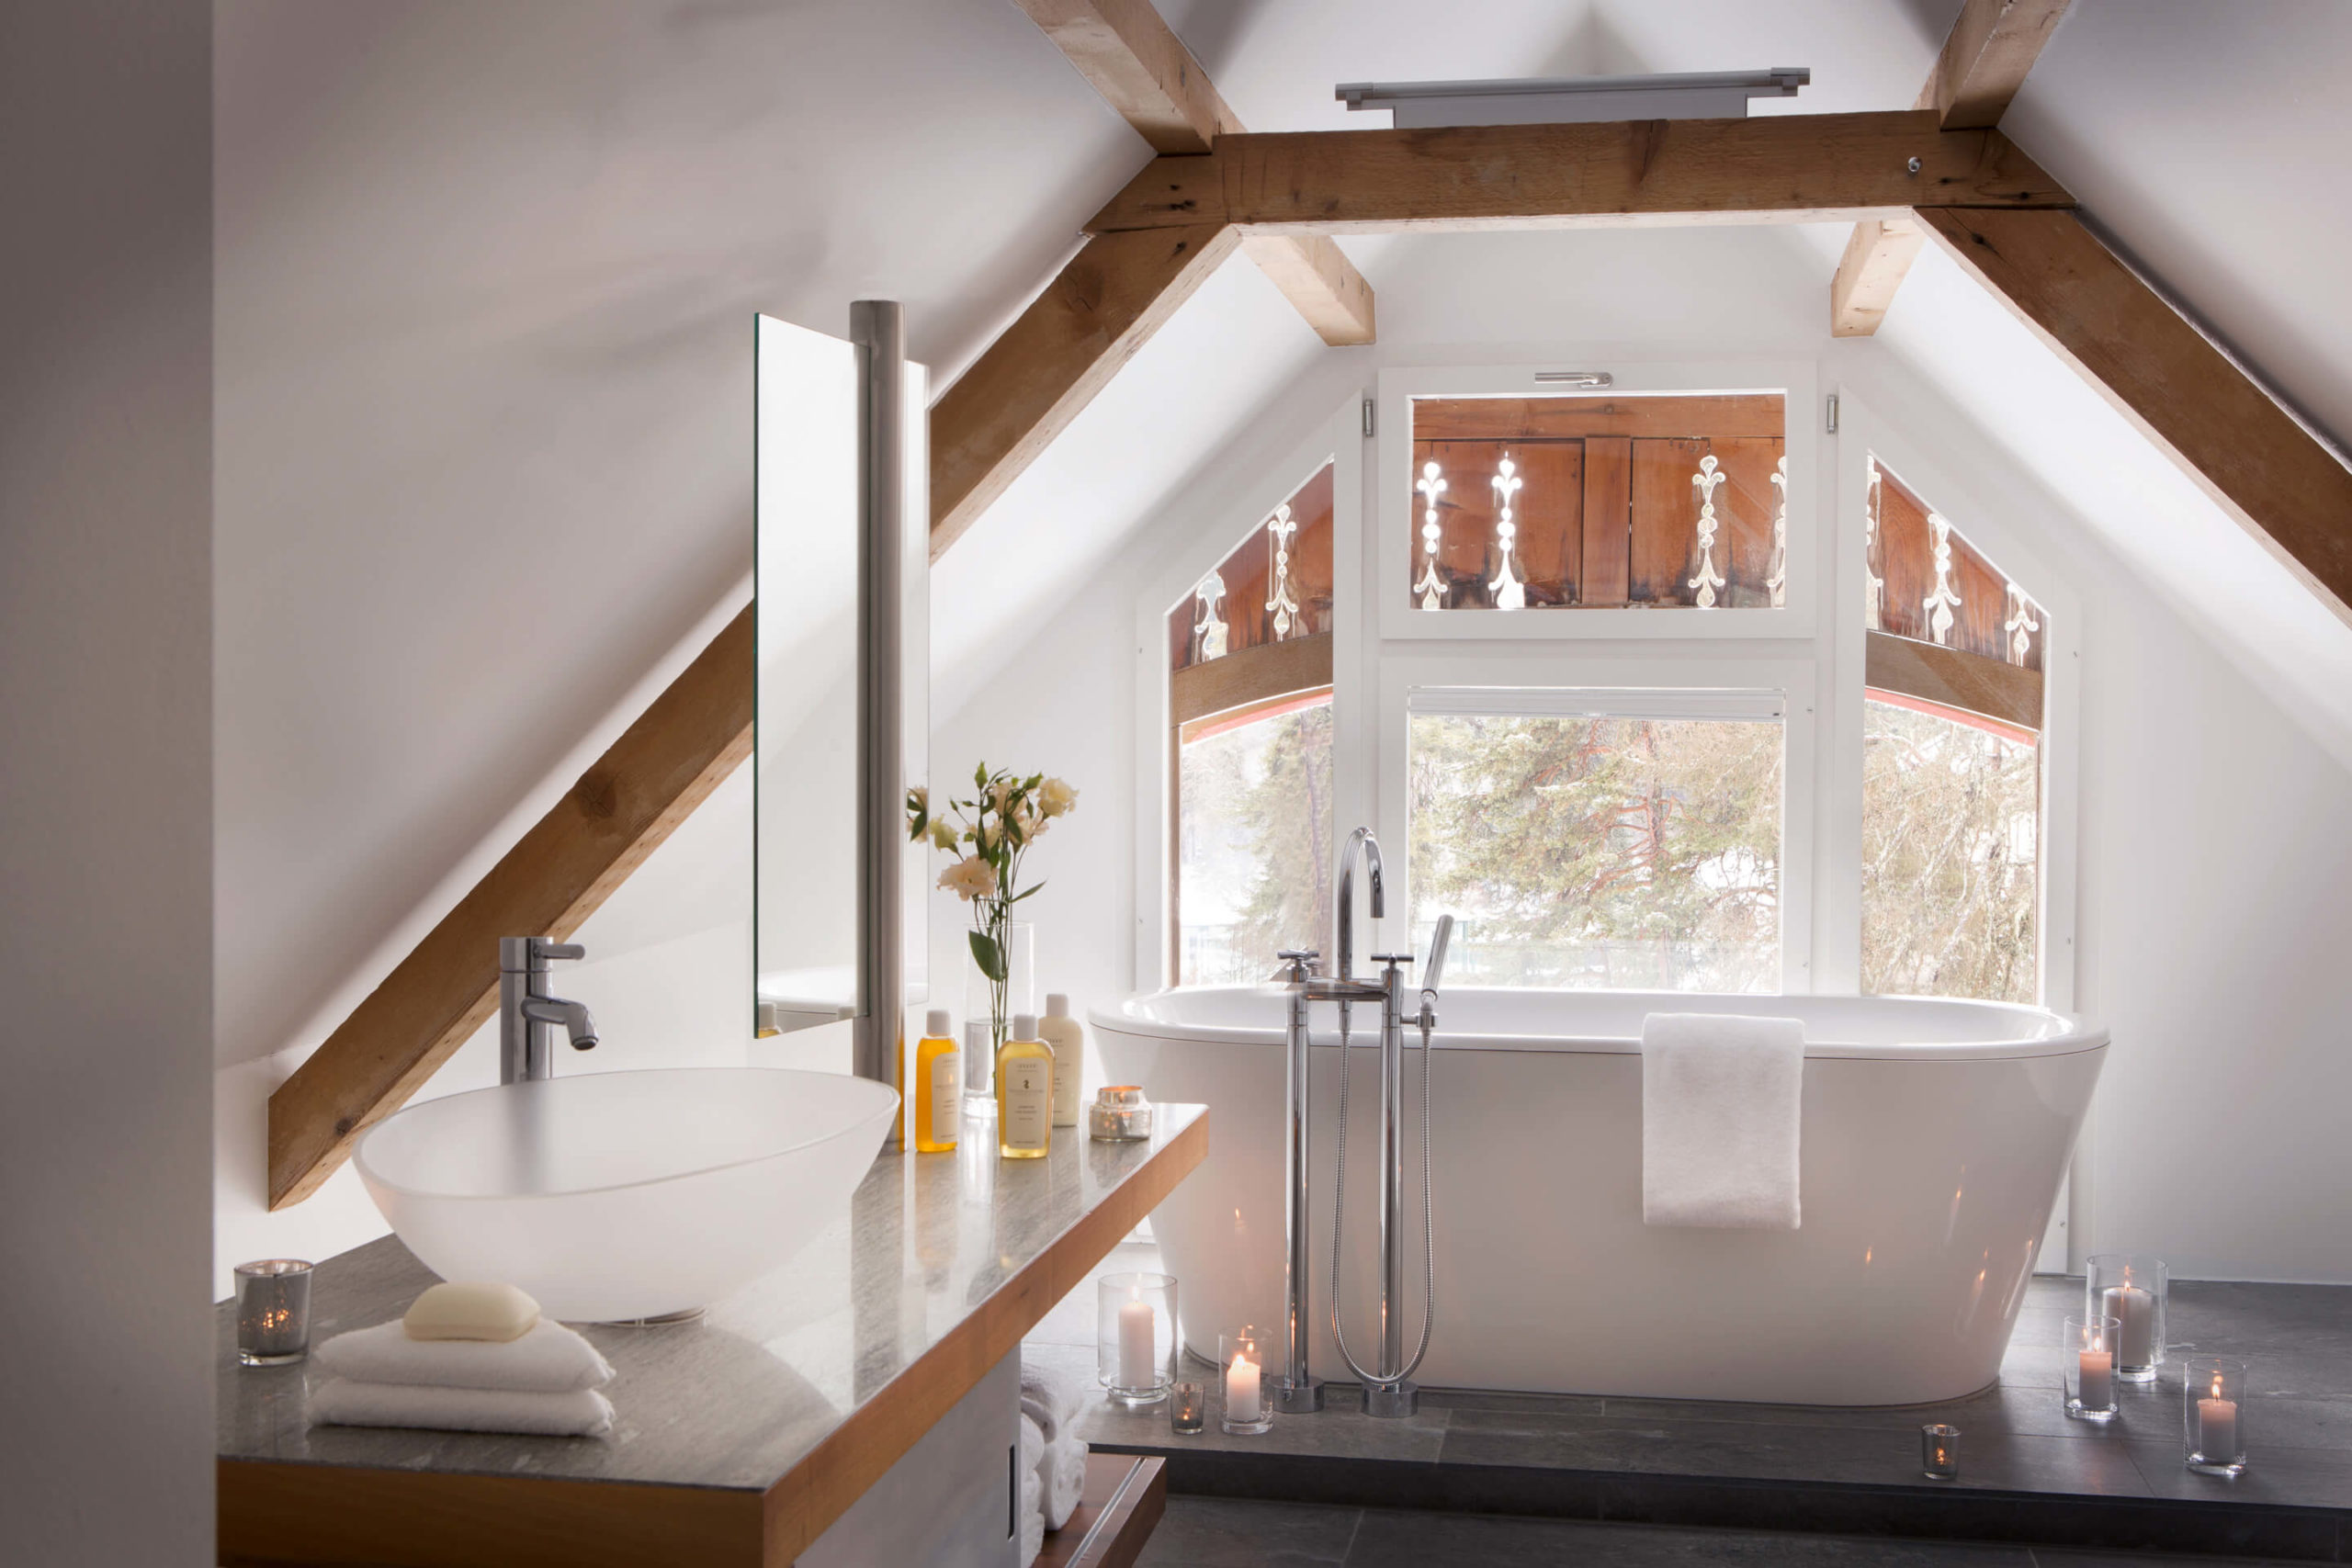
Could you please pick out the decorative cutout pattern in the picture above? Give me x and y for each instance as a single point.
(1431, 587)
(1509, 593)
(1777, 578)
(1941, 603)
(1874, 609)
(1209, 627)
(1707, 479)
(1284, 604)
(2021, 626)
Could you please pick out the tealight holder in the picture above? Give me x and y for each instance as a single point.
(1134, 1337)
(2214, 1414)
(2086, 1366)
(2130, 1288)
(1939, 1452)
(273, 1311)
(1120, 1115)
(1188, 1409)
(1248, 1410)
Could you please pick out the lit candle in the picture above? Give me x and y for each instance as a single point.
(1241, 1402)
(2136, 1310)
(2098, 1379)
(1135, 1344)
(2217, 1425)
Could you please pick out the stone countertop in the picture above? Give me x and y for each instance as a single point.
(739, 1398)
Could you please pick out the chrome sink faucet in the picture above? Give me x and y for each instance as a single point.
(527, 1016)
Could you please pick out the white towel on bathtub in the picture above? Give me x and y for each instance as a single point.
(1720, 1119)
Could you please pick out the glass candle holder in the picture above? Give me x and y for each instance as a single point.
(2130, 1288)
(1134, 1337)
(273, 1311)
(2086, 1366)
(2214, 1414)
(1939, 1452)
(1188, 1409)
(1247, 1408)
(1120, 1115)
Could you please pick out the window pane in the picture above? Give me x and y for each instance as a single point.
(1951, 856)
(1253, 842)
(1602, 854)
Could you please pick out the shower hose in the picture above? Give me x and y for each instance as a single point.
(1338, 1211)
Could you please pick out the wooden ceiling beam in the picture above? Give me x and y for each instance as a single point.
(1992, 45)
(1142, 69)
(1786, 168)
(2282, 484)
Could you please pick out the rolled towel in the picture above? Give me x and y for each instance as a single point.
(1721, 1100)
(1033, 1445)
(342, 1401)
(1032, 1518)
(1052, 1398)
(548, 1359)
(1063, 1472)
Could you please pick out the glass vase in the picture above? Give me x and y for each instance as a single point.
(2130, 1288)
(2086, 1367)
(1134, 1337)
(996, 1000)
(2214, 1414)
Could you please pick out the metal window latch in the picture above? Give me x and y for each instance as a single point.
(1371, 422)
(1832, 414)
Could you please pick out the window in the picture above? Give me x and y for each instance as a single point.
(1952, 770)
(1599, 841)
(1250, 689)
(1541, 503)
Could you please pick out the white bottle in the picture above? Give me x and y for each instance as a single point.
(1068, 1038)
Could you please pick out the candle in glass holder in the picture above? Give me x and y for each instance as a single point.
(1246, 1410)
(1136, 1370)
(1241, 1389)
(2217, 1425)
(2135, 1309)
(1187, 1409)
(273, 1311)
(2097, 1369)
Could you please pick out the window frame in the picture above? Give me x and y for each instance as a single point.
(2002, 520)
(1794, 683)
(1395, 524)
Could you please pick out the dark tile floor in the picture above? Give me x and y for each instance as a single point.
(1219, 1532)
(2028, 1473)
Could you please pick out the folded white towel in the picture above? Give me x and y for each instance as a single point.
(1053, 1398)
(548, 1358)
(1032, 1518)
(342, 1401)
(1720, 1097)
(1063, 1472)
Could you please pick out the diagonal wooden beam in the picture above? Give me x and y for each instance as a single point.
(1143, 70)
(1992, 45)
(2281, 484)
(1787, 168)
(1062, 350)
(648, 781)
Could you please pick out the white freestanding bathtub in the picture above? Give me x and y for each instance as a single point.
(1935, 1136)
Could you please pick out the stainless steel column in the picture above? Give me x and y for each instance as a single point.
(1297, 1392)
(1392, 1172)
(878, 328)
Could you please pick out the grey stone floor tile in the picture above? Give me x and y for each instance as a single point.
(1718, 1449)
(1216, 1533)
(1998, 1462)
(2306, 1477)
(1396, 1540)
(2295, 1320)
(2069, 1557)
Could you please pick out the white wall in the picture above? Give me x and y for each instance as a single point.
(105, 781)
(2215, 827)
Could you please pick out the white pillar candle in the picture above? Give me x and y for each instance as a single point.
(1241, 1402)
(1136, 1370)
(2136, 1310)
(2217, 1429)
(2098, 1379)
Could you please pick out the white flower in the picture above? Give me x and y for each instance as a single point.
(1056, 796)
(922, 793)
(943, 832)
(969, 878)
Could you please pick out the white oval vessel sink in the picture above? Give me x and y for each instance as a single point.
(625, 1195)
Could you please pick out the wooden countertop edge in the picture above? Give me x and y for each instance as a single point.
(840, 1469)
(282, 1511)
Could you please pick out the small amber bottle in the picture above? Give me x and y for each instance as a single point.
(1024, 1092)
(939, 1086)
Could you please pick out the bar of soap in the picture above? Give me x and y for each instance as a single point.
(470, 1310)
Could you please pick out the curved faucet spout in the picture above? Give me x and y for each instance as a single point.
(1343, 901)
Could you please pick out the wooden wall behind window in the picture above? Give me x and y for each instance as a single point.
(1607, 513)
(1248, 580)
(1903, 555)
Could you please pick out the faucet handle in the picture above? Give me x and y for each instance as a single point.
(1298, 963)
(547, 947)
(529, 954)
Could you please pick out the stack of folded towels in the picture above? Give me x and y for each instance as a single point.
(1053, 1456)
(468, 1358)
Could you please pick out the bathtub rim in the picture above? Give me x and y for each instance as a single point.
(2063, 1033)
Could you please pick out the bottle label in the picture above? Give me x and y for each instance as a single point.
(1066, 1082)
(1028, 1102)
(946, 1096)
